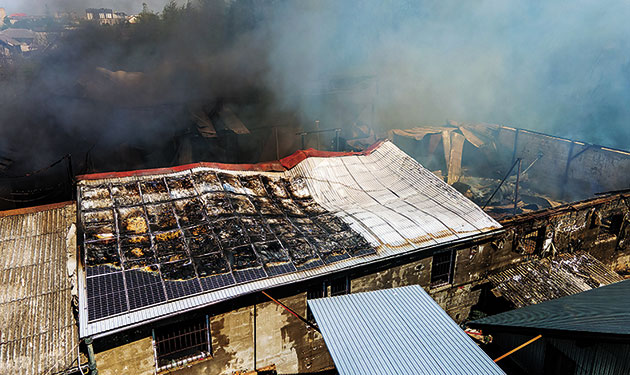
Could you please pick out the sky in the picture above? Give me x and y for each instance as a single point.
(38, 7)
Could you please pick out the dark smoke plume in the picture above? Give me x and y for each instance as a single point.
(561, 67)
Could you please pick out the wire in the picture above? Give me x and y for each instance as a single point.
(79, 357)
(51, 369)
(30, 174)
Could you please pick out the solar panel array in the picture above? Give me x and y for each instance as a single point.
(159, 239)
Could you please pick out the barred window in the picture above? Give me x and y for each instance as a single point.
(339, 286)
(442, 268)
(181, 343)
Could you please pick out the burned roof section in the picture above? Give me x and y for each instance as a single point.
(191, 239)
(157, 243)
(544, 279)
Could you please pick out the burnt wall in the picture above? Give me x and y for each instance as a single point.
(564, 170)
(567, 170)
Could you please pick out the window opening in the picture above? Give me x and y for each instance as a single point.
(187, 341)
(442, 268)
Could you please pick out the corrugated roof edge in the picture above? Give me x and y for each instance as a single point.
(34, 209)
(270, 166)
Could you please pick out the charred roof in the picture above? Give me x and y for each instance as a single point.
(158, 242)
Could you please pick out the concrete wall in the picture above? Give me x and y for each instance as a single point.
(132, 358)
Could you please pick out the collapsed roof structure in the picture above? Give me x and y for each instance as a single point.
(491, 164)
(158, 242)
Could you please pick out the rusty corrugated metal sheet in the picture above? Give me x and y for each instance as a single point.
(388, 198)
(38, 332)
(544, 279)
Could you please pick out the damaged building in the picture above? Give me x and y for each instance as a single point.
(208, 267)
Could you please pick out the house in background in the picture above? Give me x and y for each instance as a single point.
(17, 41)
(104, 16)
(584, 333)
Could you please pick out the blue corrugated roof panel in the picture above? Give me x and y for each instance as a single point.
(396, 331)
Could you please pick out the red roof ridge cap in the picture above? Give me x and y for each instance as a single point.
(281, 165)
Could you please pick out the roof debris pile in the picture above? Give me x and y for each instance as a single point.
(512, 171)
(203, 230)
(544, 279)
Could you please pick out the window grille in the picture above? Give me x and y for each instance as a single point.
(339, 286)
(442, 268)
(532, 242)
(183, 342)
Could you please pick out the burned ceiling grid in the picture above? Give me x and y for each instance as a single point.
(163, 238)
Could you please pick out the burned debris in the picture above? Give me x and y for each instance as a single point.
(205, 225)
(509, 171)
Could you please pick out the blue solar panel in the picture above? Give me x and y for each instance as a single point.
(280, 269)
(181, 288)
(106, 295)
(144, 288)
(216, 281)
(250, 274)
(310, 265)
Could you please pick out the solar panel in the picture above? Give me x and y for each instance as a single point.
(166, 238)
(216, 281)
(280, 269)
(336, 258)
(250, 274)
(309, 265)
(106, 295)
(181, 288)
(144, 288)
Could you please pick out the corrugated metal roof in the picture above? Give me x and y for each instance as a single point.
(391, 200)
(540, 280)
(604, 310)
(396, 331)
(38, 332)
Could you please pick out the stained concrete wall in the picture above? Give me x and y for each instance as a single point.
(132, 358)
(281, 339)
(414, 273)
